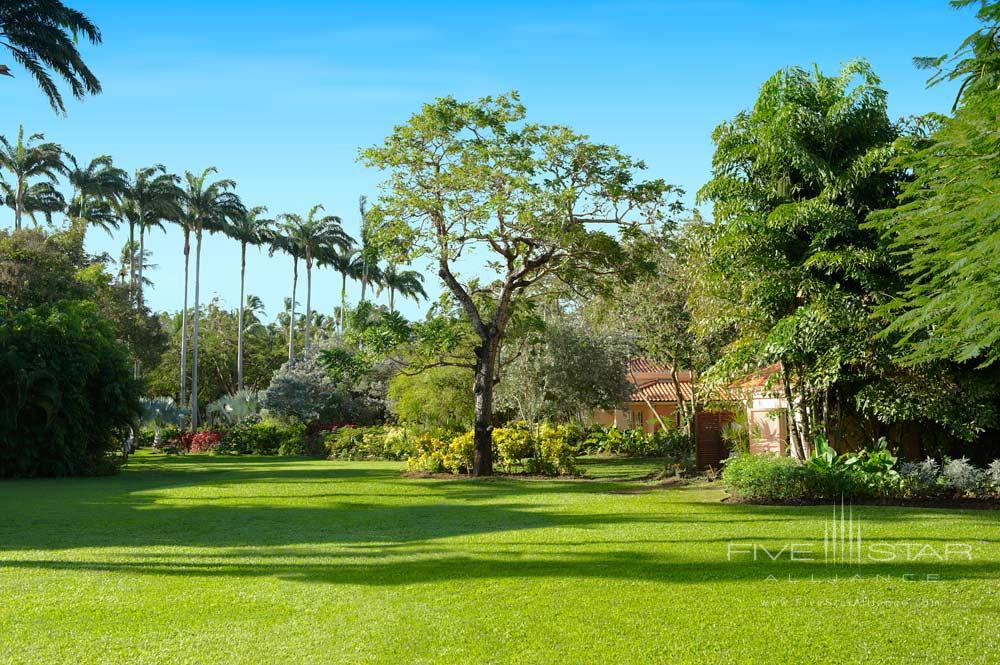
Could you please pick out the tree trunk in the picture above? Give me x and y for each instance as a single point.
(486, 357)
(18, 205)
(309, 288)
(142, 252)
(291, 314)
(131, 261)
(194, 332)
(239, 332)
(343, 300)
(793, 428)
(364, 283)
(392, 300)
(184, 312)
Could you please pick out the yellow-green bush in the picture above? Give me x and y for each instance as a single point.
(512, 444)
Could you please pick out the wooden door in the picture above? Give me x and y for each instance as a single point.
(710, 448)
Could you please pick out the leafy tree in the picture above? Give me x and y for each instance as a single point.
(248, 228)
(66, 394)
(25, 160)
(538, 200)
(976, 62)
(41, 35)
(657, 311)
(794, 180)
(264, 345)
(439, 397)
(38, 269)
(564, 371)
(945, 229)
(206, 207)
(303, 391)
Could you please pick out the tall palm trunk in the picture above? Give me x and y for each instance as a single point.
(142, 250)
(18, 204)
(291, 317)
(343, 299)
(142, 254)
(184, 318)
(131, 261)
(194, 331)
(309, 288)
(392, 299)
(239, 332)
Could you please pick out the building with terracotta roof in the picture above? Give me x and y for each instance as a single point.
(654, 404)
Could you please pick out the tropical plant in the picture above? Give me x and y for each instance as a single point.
(248, 228)
(311, 237)
(95, 187)
(537, 200)
(367, 258)
(67, 397)
(408, 283)
(42, 35)
(25, 160)
(160, 413)
(789, 261)
(344, 262)
(206, 206)
(976, 62)
(234, 409)
(144, 202)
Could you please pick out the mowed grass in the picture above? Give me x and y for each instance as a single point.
(210, 560)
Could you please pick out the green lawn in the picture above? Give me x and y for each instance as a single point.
(204, 560)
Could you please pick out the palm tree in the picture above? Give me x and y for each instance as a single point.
(409, 284)
(95, 186)
(313, 236)
(32, 159)
(42, 35)
(368, 255)
(343, 261)
(250, 228)
(149, 198)
(279, 240)
(206, 207)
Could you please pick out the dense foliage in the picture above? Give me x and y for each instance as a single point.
(67, 396)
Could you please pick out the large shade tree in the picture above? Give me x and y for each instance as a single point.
(42, 37)
(25, 160)
(533, 200)
(206, 206)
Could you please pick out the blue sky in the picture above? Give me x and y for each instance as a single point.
(279, 96)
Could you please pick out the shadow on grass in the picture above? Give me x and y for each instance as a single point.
(338, 534)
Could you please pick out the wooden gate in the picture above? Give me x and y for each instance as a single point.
(710, 448)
